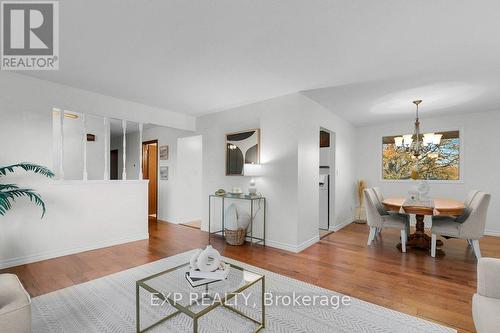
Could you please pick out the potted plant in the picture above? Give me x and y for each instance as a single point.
(10, 192)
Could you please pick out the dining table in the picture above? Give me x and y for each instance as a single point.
(431, 207)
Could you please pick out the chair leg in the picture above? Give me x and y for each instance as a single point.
(403, 240)
(371, 236)
(477, 250)
(433, 245)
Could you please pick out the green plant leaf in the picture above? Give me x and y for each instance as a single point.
(8, 187)
(4, 204)
(10, 195)
(38, 169)
(9, 192)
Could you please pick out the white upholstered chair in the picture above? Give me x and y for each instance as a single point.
(469, 226)
(378, 218)
(467, 203)
(380, 198)
(470, 197)
(486, 301)
(378, 193)
(15, 305)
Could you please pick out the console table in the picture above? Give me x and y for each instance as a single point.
(252, 199)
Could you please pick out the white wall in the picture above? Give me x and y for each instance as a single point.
(290, 156)
(278, 155)
(95, 149)
(73, 147)
(34, 99)
(188, 181)
(343, 196)
(21, 93)
(80, 215)
(25, 136)
(179, 197)
(480, 140)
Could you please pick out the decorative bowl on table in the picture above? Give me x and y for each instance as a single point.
(220, 192)
(236, 191)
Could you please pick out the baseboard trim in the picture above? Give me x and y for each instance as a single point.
(6, 263)
(168, 219)
(293, 248)
(307, 243)
(492, 232)
(342, 225)
(280, 245)
(174, 220)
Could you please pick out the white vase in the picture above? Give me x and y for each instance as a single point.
(243, 220)
(231, 217)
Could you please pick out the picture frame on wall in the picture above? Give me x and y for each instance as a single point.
(242, 147)
(164, 173)
(164, 152)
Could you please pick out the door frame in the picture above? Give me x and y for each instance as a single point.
(332, 178)
(157, 167)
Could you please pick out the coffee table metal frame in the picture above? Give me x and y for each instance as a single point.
(185, 309)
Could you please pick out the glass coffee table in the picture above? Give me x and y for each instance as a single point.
(170, 288)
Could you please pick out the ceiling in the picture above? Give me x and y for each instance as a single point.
(383, 101)
(365, 60)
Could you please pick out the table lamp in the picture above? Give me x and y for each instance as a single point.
(252, 170)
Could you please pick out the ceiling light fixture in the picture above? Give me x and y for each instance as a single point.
(415, 142)
(416, 145)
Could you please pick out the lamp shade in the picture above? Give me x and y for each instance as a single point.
(436, 139)
(398, 141)
(428, 138)
(407, 139)
(252, 170)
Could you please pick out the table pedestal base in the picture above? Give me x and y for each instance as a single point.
(420, 240)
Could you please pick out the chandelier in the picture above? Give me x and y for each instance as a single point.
(415, 143)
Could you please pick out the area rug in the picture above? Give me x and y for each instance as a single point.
(107, 304)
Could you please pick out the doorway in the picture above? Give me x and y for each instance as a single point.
(113, 164)
(150, 171)
(326, 181)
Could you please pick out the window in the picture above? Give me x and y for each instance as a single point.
(440, 159)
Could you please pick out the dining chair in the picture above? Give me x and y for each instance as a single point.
(468, 200)
(378, 218)
(378, 193)
(470, 197)
(379, 205)
(381, 208)
(470, 225)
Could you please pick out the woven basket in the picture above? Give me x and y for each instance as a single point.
(235, 237)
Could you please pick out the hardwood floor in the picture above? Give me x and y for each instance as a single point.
(437, 289)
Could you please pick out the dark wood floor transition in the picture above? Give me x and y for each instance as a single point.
(435, 289)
